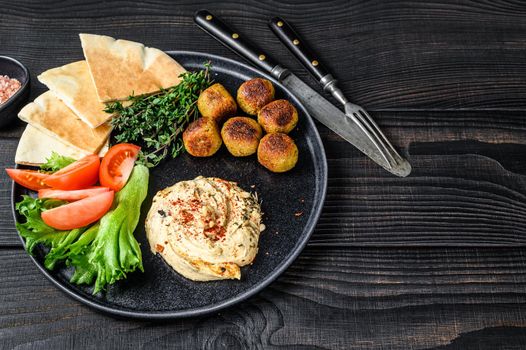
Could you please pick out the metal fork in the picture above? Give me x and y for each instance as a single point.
(392, 161)
(368, 126)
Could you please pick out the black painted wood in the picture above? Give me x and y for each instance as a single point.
(328, 299)
(397, 55)
(446, 80)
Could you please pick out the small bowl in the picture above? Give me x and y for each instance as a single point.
(13, 69)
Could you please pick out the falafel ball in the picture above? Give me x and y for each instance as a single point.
(241, 136)
(277, 152)
(253, 94)
(216, 103)
(201, 138)
(278, 116)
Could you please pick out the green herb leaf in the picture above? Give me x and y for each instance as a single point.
(156, 122)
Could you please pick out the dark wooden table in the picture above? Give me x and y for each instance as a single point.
(433, 261)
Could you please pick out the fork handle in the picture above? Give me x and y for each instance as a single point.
(303, 53)
(298, 47)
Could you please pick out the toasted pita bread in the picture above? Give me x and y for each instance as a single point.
(121, 68)
(73, 85)
(51, 116)
(35, 147)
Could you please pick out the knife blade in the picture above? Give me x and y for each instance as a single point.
(333, 118)
(346, 126)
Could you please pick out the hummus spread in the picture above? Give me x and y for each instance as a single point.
(205, 228)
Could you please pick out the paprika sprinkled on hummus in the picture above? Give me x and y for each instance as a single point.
(8, 87)
(212, 228)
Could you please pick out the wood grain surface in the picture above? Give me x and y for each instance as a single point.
(328, 299)
(395, 56)
(432, 261)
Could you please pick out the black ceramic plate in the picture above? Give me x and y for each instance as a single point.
(291, 203)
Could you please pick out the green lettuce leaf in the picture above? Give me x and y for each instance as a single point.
(56, 162)
(108, 251)
(103, 253)
(115, 250)
(78, 256)
(34, 230)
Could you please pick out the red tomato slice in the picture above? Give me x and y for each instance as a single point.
(117, 165)
(31, 179)
(78, 175)
(80, 213)
(73, 195)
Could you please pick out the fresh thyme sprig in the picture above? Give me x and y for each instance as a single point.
(156, 122)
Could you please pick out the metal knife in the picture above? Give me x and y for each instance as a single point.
(356, 128)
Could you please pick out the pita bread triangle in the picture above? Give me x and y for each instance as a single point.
(73, 85)
(121, 68)
(52, 117)
(35, 147)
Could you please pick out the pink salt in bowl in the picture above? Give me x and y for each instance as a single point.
(14, 70)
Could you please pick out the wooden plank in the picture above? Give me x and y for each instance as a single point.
(8, 235)
(328, 299)
(461, 198)
(403, 54)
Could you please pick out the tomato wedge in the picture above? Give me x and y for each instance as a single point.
(80, 213)
(73, 195)
(31, 179)
(117, 165)
(78, 175)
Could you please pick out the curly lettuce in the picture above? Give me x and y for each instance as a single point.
(55, 162)
(102, 253)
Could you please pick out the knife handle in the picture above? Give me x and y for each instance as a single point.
(231, 39)
(298, 47)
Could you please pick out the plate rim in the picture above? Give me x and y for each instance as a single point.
(254, 290)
